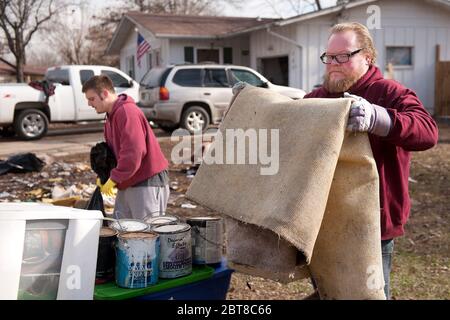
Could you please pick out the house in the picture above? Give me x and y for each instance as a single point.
(31, 73)
(181, 39)
(407, 34)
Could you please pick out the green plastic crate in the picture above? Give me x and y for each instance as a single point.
(110, 291)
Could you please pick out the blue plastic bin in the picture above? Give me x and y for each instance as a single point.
(214, 288)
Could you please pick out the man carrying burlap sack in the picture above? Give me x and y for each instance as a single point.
(393, 116)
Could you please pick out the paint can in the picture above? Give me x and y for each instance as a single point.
(128, 225)
(106, 257)
(207, 239)
(176, 250)
(137, 259)
(153, 221)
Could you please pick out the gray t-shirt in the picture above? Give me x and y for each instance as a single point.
(158, 180)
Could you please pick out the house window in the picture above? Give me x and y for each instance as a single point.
(129, 65)
(228, 55)
(399, 56)
(149, 61)
(157, 58)
(189, 54)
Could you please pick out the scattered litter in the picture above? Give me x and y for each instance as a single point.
(59, 192)
(21, 163)
(4, 194)
(412, 180)
(44, 175)
(188, 206)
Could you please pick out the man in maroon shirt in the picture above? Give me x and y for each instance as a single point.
(141, 173)
(392, 115)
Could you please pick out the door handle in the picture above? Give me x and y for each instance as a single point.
(207, 93)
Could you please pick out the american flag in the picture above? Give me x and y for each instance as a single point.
(142, 47)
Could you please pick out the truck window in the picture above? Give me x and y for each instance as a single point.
(245, 76)
(58, 76)
(117, 80)
(85, 75)
(216, 78)
(188, 78)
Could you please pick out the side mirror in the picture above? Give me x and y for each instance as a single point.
(264, 85)
(131, 83)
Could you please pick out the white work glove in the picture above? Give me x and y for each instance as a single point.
(238, 86)
(367, 117)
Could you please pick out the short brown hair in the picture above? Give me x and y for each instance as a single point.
(98, 84)
(362, 33)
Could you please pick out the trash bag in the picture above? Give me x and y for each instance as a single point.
(21, 163)
(102, 161)
(96, 201)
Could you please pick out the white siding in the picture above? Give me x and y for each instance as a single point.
(266, 45)
(130, 48)
(403, 23)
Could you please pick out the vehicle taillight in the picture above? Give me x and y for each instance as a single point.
(163, 93)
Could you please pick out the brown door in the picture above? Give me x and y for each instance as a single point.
(208, 55)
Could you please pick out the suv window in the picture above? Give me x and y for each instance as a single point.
(216, 78)
(153, 78)
(117, 80)
(85, 75)
(58, 76)
(188, 77)
(245, 76)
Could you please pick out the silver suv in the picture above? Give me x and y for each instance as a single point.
(194, 96)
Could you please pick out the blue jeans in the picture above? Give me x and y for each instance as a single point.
(387, 248)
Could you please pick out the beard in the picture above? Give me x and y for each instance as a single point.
(341, 85)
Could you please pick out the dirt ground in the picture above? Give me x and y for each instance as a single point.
(421, 264)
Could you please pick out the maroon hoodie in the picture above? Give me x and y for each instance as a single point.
(413, 129)
(128, 134)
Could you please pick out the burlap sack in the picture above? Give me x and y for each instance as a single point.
(322, 202)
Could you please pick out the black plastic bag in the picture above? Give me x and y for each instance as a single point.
(21, 163)
(96, 201)
(102, 161)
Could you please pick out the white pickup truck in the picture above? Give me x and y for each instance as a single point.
(24, 111)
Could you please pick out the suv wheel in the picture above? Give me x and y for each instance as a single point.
(31, 124)
(195, 119)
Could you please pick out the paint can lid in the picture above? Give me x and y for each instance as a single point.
(137, 235)
(128, 225)
(108, 232)
(160, 220)
(203, 218)
(172, 228)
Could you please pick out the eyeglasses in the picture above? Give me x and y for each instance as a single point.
(339, 58)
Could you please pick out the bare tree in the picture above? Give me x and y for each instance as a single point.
(19, 20)
(295, 7)
(185, 7)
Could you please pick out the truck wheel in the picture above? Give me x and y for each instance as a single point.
(195, 119)
(31, 124)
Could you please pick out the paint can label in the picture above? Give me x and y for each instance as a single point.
(207, 240)
(137, 260)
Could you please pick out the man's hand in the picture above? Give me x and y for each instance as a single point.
(107, 188)
(367, 117)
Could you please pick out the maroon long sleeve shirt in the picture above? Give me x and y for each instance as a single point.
(413, 129)
(129, 135)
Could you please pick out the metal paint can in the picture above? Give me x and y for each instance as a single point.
(207, 239)
(176, 250)
(137, 259)
(128, 225)
(153, 221)
(106, 257)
